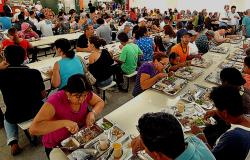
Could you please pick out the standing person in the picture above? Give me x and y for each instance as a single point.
(90, 4)
(83, 41)
(23, 99)
(66, 111)
(246, 24)
(235, 18)
(45, 26)
(145, 43)
(225, 17)
(60, 6)
(104, 31)
(7, 9)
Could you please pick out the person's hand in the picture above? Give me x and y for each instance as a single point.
(136, 145)
(71, 126)
(3, 65)
(195, 130)
(198, 56)
(50, 72)
(121, 46)
(209, 114)
(161, 75)
(90, 120)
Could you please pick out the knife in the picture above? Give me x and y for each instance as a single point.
(110, 153)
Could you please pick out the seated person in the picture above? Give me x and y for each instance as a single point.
(65, 67)
(104, 31)
(127, 30)
(159, 47)
(165, 141)
(246, 71)
(213, 132)
(145, 43)
(182, 48)
(23, 91)
(219, 35)
(27, 32)
(174, 63)
(83, 40)
(149, 73)
(15, 40)
(66, 111)
(129, 55)
(235, 142)
(180, 32)
(192, 46)
(45, 26)
(203, 40)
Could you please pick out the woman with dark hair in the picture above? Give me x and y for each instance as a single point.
(66, 111)
(15, 40)
(145, 43)
(23, 91)
(159, 47)
(65, 67)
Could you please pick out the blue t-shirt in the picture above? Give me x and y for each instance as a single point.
(196, 150)
(246, 23)
(146, 44)
(5, 22)
(146, 68)
(234, 144)
(68, 68)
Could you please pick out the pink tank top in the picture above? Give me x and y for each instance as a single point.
(63, 111)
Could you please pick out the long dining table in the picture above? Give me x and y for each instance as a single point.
(127, 115)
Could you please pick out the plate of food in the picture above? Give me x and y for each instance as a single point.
(229, 63)
(85, 135)
(189, 73)
(236, 57)
(70, 144)
(105, 124)
(115, 133)
(170, 85)
(192, 113)
(219, 49)
(235, 41)
(198, 94)
(201, 62)
(214, 77)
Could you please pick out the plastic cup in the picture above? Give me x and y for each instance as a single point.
(181, 107)
(103, 140)
(117, 150)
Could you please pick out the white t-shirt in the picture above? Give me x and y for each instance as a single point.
(34, 21)
(225, 15)
(234, 21)
(193, 50)
(45, 26)
(60, 6)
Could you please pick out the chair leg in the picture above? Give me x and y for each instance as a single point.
(127, 84)
(27, 134)
(103, 95)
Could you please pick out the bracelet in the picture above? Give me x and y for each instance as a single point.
(198, 134)
(95, 114)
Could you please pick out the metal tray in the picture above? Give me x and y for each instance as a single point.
(171, 85)
(236, 57)
(219, 49)
(105, 124)
(229, 63)
(203, 63)
(214, 78)
(189, 73)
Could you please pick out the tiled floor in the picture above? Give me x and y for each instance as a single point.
(114, 100)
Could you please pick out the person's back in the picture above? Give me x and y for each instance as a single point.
(69, 67)
(5, 22)
(101, 68)
(104, 31)
(21, 88)
(146, 44)
(202, 43)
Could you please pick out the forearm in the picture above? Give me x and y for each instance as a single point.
(149, 82)
(78, 49)
(45, 127)
(98, 107)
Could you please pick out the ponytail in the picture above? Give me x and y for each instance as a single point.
(65, 46)
(70, 54)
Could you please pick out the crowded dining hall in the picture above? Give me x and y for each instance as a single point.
(124, 80)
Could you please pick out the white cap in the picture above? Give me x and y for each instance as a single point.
(142, 19)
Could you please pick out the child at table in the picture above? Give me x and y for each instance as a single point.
(174, 62)
(246, 71)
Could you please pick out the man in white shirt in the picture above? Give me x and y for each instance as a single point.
(45, 26)
(225, 16)
(165, 22)
(193, 50)
(33, 19)
(60, 6)
(234, 19)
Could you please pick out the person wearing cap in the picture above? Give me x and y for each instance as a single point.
(182, 48)
(27, 32)
(142, 22)
(181, 30)
(165, 22)
(203, 40)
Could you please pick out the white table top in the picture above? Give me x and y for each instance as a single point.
(127, 116)
(51, 39)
